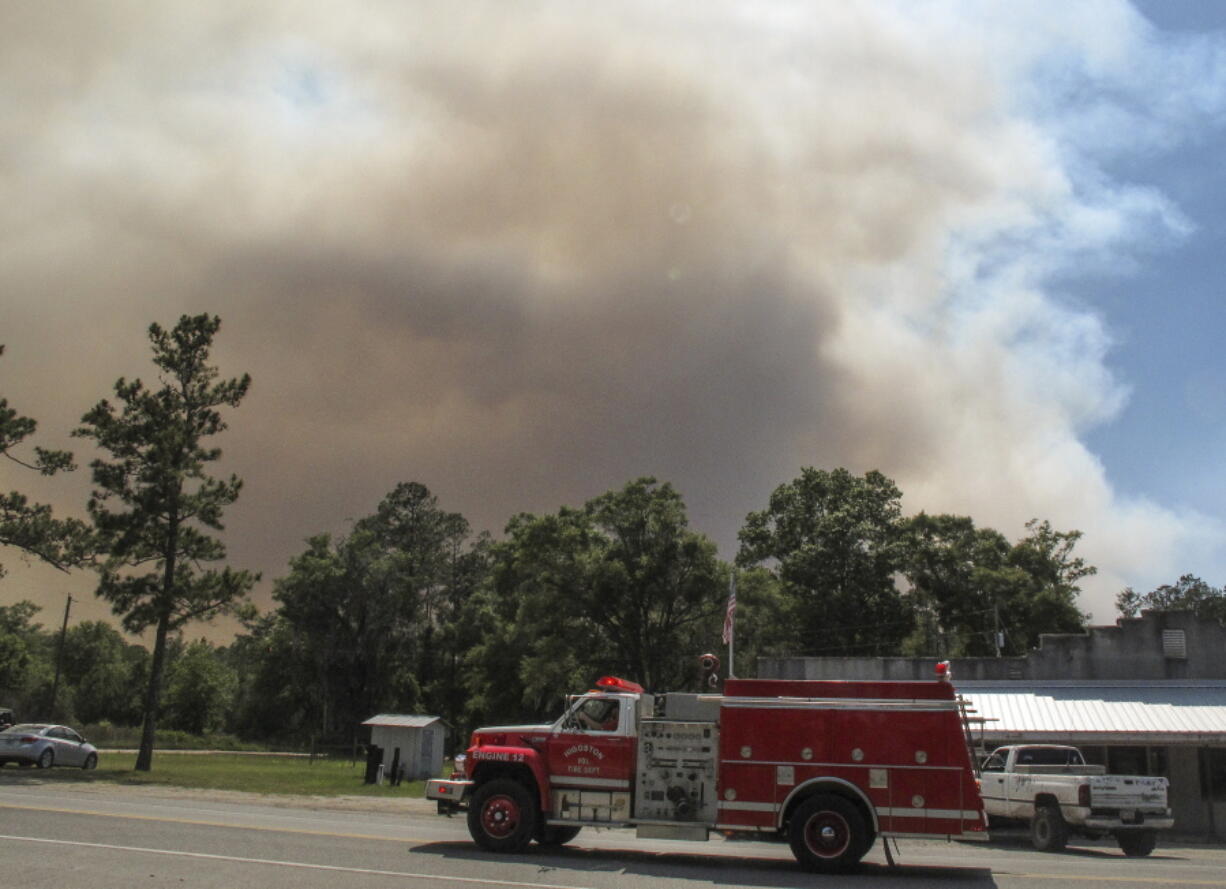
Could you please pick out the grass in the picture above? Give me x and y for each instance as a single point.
(106, 735)
(272, 774)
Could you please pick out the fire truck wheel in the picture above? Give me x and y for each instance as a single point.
(502, 817)
(827, 834)
(1048, 832)
(557, 836)
(1137, 843)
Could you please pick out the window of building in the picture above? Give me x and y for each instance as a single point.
(1127, 761)
(1095, 756)
(1214, 775)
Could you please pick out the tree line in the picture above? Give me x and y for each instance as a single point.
(411, 611)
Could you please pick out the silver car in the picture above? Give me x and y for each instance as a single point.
(36, 744)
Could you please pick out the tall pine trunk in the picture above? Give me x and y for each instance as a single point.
(153, 698)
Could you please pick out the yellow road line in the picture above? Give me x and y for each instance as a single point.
(1113, 879)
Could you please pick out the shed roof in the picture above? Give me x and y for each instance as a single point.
(1098, 712)
(392, 719)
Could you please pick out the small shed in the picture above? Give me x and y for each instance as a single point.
(415, 742)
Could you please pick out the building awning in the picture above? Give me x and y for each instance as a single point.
(1098, 712)
(393, 720)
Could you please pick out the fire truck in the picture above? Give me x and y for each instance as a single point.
(829, 766)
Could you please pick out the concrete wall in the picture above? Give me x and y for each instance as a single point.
(1131, 649)
(1187, 802)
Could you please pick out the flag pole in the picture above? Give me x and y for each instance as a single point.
(730, 625)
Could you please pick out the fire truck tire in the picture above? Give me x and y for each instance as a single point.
(502, 817)
(827, 834)
(557, 836)
(1048, 832)
(1137, 843)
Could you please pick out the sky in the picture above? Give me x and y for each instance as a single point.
(525, 252)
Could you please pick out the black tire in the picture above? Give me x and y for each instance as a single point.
(91, 762)
(1048, 832)
(827, 834)
(555, 835)
(1137, 843)
(503, 816)
(46, 759)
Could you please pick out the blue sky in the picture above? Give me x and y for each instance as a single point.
(523, 253)
(1167, 313)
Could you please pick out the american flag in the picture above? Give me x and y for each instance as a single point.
(730, 614)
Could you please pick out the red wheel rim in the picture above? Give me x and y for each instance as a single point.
(500, 816)
(827, 835)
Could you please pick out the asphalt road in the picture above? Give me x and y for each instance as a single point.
(66, 836)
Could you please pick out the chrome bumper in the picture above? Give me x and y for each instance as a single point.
(1147, 821)
(451, 794)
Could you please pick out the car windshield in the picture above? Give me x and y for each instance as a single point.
(23, 729)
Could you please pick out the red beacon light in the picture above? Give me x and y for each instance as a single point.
(943, 671)
(613, 684)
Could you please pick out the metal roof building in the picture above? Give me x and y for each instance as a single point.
(1101, 712)
(1175, 728)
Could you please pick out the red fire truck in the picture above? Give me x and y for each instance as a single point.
(828, 765)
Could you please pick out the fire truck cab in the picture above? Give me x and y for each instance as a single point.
(828, 766)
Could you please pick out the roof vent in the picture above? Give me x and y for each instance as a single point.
(1174, 644)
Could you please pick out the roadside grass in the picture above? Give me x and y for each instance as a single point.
(269, 774)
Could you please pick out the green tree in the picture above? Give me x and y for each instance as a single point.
(154, 503)
(620, 586)
(30, 527)
(533, 643)
(655, 585)
(832, 540)
(100, 667)
(1045, 597)
(970, 584)
(19, 646)
(200, 690)
(276, 696)
(1189, 593)
(352, 617)
(375, 618)
(436, 568)
(952, 568)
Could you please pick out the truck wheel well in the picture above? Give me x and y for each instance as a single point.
(1045, 799)
(838, 788)
(522, 774)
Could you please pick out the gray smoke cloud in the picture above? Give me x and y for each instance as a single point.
(524, 252)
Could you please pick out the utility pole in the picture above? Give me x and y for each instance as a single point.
(59, 660)
(997, 636)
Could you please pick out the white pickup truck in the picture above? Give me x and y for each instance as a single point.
(1054, 790)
